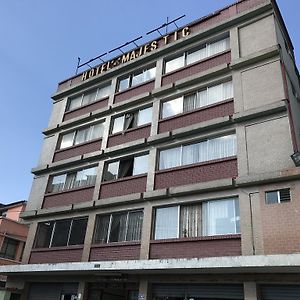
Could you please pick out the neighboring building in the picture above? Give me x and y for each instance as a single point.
(166, 173)
(13, 234)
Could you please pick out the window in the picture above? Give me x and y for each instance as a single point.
(216, 148)
(136, 78)
(216, 217)
(9, 248)
(61, 233)
(119, 227)
(88, 97)
(202, 52)
(278, 196)
(202, 98)
(132, 120)
(82, 135)
(126, 167)
(72, 180)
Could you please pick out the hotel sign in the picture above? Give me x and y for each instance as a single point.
(135, 53)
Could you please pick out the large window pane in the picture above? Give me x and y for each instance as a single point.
(134, 226)
(217, 47)
(215, 94)
(140, 165)
(137, 79)
(75, 102)
(61, 233)
(78, 231)
(144, 116)
(173, 107)
(124, 84)
(174, 64)
(166, 223)
(220, 217)
(82, 135)
(9, 248)
(103, 92)
(228, 90)
(118, 124)
(67, 140)
(118, 228)
(196, 55)
(112, 171)
(189, 102)
(89, 97)
(190, 154)
(102, 227)
(170, 158)
(85, 177)
(149, 74)
(70, 181)
(190, 220)
(58, 183)
(43, 235)
(222, 147)
(96, 131)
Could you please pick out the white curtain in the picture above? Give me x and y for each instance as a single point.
(134, 226)
(166, 223)
(82, 135)
(103, 92)
(118, 228)
(96, 131)
(189, 102)
(75, 102)
(101, 230)
(227, 90)
(219, 217)
(172, 107)
(174, 64)
(215, 94)
(170, 158)
(190, 154)
(217, 47)
(190, 220)
(89, 97)
(224, 146)
(202, 99)
(196, 55)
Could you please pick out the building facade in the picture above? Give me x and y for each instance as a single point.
(167, 172)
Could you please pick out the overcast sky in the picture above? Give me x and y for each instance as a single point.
(41, 41)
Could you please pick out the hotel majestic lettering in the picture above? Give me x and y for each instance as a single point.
(134, 54)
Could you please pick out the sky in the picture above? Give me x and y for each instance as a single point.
(41, 41)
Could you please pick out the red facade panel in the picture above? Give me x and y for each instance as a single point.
(196, 247)
(77, 150)
(86, 109)
(66, 254)
(222, 109)
(134, 91)
(129, 135)
(201, 172)
(248, 4)
(115, 251)
(123, 186)
(223, 58)
(68, 197)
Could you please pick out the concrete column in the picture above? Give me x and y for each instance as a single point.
(151, 169)
(146, 231)
(234, 43)
(159, 72)
(106, 132)
(88, 237)
(155, 116)
(250, 291)
(98, 180)
(82, 291)
(113, 90)
(19, 250)
(144, 290)
(58, 111)
(242, 155)
(29, 242)
(237, 91)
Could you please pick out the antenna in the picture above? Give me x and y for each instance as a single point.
(126, 44)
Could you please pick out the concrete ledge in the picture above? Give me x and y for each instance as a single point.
(283, 175)
(281, 263)
(28, 214)
(53, 210)
(162, 193)
(95, 154)
(122, 147)
(158, 138)
(132, 198)
(201, 187)
(162, 90)
(207, 125)
(276, 107)
(83, 205)
(131, 101)
(256, 57)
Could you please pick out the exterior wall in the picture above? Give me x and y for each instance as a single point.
(12, 227)
(13, 213)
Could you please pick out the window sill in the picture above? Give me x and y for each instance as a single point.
(124, 179)
(12, 261)
(134, 87)
(129, 130)
(209, 162)
(116, 244)
(78, 145)
(87, 105)
(195, 110)
(70, 190)
(71, 247)
(196, 62)
(200, 238)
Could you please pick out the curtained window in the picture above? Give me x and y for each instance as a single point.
(211, 149)
(72, 180)
(119, 227)
(208, 96)
(197, 54)
(88, 97)
(198, 219)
